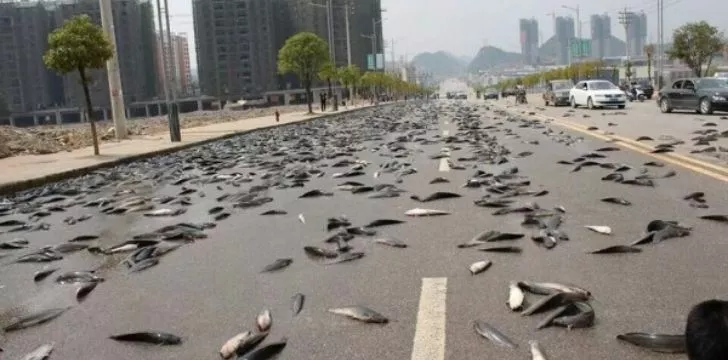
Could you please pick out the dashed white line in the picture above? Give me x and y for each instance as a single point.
(445, 132)
(429, 341)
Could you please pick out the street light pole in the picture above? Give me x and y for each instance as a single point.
(116, 92)
(173, 110)
(347, 11)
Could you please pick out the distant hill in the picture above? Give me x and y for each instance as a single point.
(492, 57)
(440, 64)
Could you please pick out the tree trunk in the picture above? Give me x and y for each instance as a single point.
(307, 86)
(331, 92)
(707, 67)
(89, 109)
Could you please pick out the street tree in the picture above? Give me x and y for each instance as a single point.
(695, 44)
(350, 76)
(303, 54)
(79, 45)
(328, 73)
(628, 70)
(650, 52)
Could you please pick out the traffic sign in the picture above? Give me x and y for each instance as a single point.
(580, 47)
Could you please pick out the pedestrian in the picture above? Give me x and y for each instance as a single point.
(322, 96)
(278, 116)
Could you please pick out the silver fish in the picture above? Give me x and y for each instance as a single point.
(536, 352)
(425, 212)
(230, 347)
(41, 352)
(479, 267)
(361, 313)
(662, 343)
(264, 321)
(489, 332)
(516, 297)
(297, 303)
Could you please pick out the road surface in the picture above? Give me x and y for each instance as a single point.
(211, 289)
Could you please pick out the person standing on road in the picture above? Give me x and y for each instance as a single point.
(323, 101)
(278, 115)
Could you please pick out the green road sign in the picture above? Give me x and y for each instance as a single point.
(580, 47)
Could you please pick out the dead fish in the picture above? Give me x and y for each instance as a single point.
(315, 193)
(215, 210)
(360, 231)
(605, 230)
(165, 212)
(278, 264)
(439, 180)
(221, 216)
(301, 218)
(42, 274)
(74, 277)
(425, 212)
(82, 238)
(479, 266)
(498, 236)
(267, 352)
(274, 212)
(143, 265)
(360, 313)
(42, 352)
(489, 332)
(84, 290)
(503, 249)
(297, 303)
(516, 297)
(230, 347)
(12, 223)
(583, 316)
(618, 201)
(718, 218)
(552, 301)
(390, 241)
(383, 222)
(616, 249)
(439, 195)
(663, 343)
(536, 352)
(547, 321)
(34, 319)
(153, 337)
(317, 252)
(549, 288)
(654, 164)
(264, 320)
(346, 258)
(14, 244)
(249, 343)
(644, 138)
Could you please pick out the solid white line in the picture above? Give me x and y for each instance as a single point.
(429, 341)
(447, 122)
(444, 165)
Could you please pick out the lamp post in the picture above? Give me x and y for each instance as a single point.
(112, 71)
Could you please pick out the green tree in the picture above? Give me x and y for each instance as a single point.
(328, 73)
(79, 45)
(349, 77)
(650, 52)
(695, 44)
(303, 54)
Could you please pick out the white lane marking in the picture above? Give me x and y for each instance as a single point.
(444, 165)
(445, 132)
(429, 341)
(447, 122)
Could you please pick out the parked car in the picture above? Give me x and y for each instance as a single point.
(597, 93)
(557, 92)
(702, 95)
(721, 75)
(492, 95)
(645, 87)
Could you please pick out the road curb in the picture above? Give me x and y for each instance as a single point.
(705, 168)
(16, 186)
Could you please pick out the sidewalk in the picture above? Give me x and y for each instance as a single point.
(23, 172)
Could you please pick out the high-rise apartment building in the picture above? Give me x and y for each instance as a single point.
(601, 36)
(134, 30)
(529, 40)
(235, 44)
(565, 33)
(25, 82)
(636, 33)
(177, 55)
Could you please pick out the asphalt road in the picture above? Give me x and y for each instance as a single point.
(209, 290)
(645, 119)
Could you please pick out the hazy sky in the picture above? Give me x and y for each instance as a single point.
(463, 26)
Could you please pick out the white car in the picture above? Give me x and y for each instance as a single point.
(597, 93)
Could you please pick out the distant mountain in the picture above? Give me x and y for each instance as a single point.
(492, 57)
(440, 64)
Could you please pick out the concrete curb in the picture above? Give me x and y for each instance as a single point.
(13, 187)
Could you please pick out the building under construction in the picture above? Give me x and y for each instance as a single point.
(27, 85)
